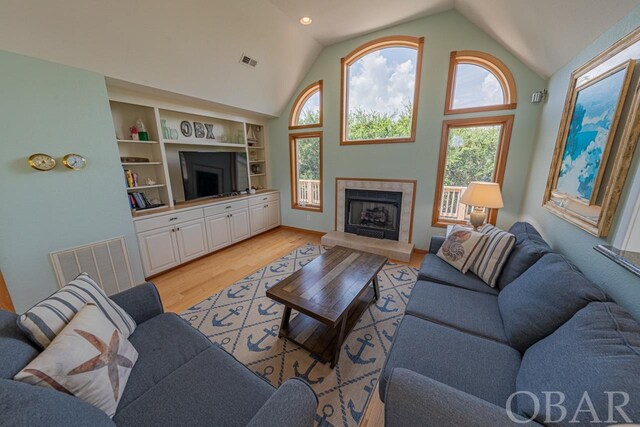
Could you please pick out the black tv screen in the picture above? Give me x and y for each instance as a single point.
(207, 174)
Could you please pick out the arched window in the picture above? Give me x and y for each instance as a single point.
(307, 108)
(478, 82)
(380, 86)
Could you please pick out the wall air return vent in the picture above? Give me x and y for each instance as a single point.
(248, 61)
(107, 262)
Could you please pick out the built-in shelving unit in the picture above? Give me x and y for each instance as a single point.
(156, 163)
(257, 155)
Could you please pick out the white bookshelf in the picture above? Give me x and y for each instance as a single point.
(156, 162)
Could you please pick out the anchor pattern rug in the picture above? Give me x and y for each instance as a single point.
(245, 322)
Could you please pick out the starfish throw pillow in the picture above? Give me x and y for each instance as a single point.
(89, 359)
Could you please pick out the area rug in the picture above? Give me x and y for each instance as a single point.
(245, 322)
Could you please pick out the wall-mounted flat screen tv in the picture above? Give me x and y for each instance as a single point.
(209, 174)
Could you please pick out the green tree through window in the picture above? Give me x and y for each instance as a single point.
(308, 150)
(471, 155)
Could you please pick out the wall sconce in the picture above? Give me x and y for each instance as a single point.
(538, 96)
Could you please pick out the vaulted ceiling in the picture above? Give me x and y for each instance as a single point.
(544, 34)
(192, 47)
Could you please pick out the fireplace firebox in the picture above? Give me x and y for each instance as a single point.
(373, 213)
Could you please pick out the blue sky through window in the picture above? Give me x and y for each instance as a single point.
(311, 108)
(383, 81)
(476, 87)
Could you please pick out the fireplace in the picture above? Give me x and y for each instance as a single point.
(373, 213)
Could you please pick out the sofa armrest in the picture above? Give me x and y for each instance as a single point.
(436, 243)
(142, 302)
(294, 404)
(415, 400)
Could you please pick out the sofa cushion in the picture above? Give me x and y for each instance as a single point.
(16, 350)
(543, 298)
(211, 389)
(26, 405)
(596, 351)
(475, 365)
(525, 253)
(437, 270)
(468, 311)
(525, 231)
(164, 344)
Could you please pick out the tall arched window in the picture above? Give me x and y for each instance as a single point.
(380, 86)
(307, 108)
(478, 82)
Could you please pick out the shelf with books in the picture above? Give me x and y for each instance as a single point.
(141, 163)
(145, 187)
(173, 128)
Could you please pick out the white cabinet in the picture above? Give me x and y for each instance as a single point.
(264, 214)
(159, 250)
(169, 240)
(218, 231)
(170, 246)
(227, 228)
(192, 240)
(272, 216)
(239, 224)
(257, 218)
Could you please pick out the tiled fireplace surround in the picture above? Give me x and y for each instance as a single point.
(400, 249)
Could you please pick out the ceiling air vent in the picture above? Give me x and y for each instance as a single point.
(250, 62)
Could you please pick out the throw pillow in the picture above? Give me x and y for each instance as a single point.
(542, 298)
(461, 247)
(89, 359)
(493, 254)
(45, 320)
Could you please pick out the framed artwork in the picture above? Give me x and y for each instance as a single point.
(597, 137)
(595, 112)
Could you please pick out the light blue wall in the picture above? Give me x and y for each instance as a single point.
(443, 33)
(51, 108)
(623, 286)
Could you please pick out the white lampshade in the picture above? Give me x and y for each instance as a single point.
(483, 195)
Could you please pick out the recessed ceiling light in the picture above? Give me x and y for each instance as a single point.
(305, 20)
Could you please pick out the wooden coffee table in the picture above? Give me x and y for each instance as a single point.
(330, 293)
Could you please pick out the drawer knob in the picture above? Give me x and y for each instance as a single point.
(173, 218)
(227, 207)
(264, 198)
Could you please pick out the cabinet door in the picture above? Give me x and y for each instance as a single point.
(218, 231)
(159, 250)
(239, 222)
(257, 219)
(192, 240)
(272, 215)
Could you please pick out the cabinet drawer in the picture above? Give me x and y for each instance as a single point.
(225, 207)
(169, 219)
(262, 199)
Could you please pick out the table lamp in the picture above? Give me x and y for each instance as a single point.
(481, 195)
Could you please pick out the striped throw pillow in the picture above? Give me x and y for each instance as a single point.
(493, 255)
(44, 321)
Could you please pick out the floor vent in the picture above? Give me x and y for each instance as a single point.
(107, 262)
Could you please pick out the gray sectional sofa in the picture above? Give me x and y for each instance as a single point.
(464, 353)
(180, 378)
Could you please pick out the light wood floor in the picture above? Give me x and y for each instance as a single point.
(193, 282)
